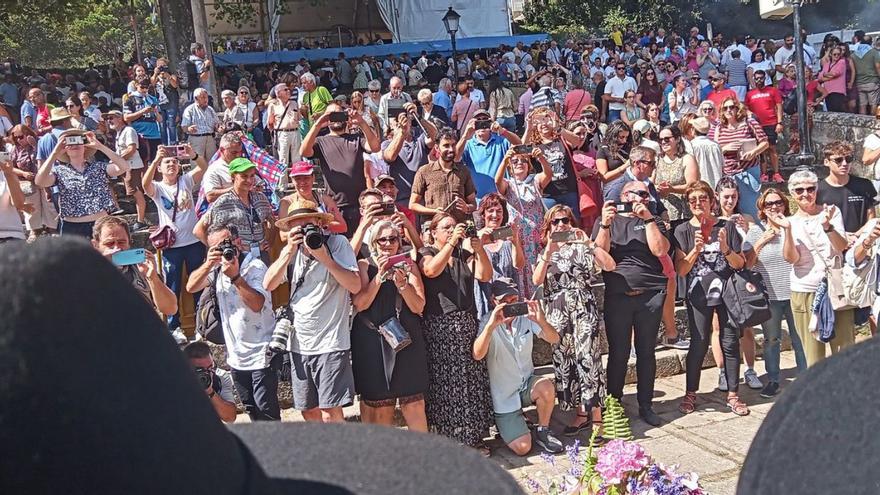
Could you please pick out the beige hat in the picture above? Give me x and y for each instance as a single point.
(642, 126)
(58, 114)
(302, 208)
(701, 125)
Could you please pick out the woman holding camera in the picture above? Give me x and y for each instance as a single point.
(565, 270)
(707, 251)
(544, 131)
(504, 248)
(392, 292)
(83, 182)
(458, 404)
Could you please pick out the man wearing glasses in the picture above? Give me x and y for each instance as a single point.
(719, 90)
(615, 88)
(396, 97)
(853, 195)
(642, 163)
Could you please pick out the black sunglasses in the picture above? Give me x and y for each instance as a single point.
(641, 194)
(801, 190)
(666, 139)
(838, 160)
(771, 204)
(561, 220)
(387, 240)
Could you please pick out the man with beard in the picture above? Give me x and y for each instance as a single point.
(340, 155)
(444, 185)
(765, 104)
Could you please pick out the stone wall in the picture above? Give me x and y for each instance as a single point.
(831, 126)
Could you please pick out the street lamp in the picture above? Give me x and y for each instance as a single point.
(450, 20)
(805, 157)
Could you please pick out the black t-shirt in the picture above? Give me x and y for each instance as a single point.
(452, 290)
(854, 200)
(615, 160)
(637, 268)
(564, 181)
(705, 280)
(342, 164)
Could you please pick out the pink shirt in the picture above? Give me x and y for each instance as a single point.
(575, 101)
(838, 84)
(462, 112)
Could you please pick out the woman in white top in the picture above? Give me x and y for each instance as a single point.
(814, 237)
(682, 99)
(11, 202)
(871, 151)
(760, 62)
(175, 204)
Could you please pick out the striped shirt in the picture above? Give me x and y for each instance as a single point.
(546, 97)
(247, 219)
(724, 135)
(771, 265)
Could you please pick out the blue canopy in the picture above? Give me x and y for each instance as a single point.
(413, 48)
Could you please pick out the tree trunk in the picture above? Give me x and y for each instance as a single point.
(177, 29)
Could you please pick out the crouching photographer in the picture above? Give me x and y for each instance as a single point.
(217, 382)
(324, 274)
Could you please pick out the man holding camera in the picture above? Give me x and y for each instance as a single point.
(323, 275)
(642, 163)
(341, 156)
(482, 147)
(246, 316)
(506, 344)
(404, 153)
(217, 382)
(444, 184)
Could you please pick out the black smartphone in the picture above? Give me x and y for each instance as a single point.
(387, 209)
(482, 124)
(393, 112)
(624, 207)
(523, 149)
(563, 236)
(515, 309)
(338, 117)
(505, 232)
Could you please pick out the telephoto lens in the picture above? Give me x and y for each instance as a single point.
(206, 376)
(281, 335)
(313, 236)
(228, 250)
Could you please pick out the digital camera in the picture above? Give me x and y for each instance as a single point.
(227, 249)
(313, 236)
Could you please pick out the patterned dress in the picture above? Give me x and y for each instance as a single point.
(672, 171)
(526, 210)
(572, 310)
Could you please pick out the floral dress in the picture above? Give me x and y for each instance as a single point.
(527, 211)
(571, 309)
(672, 171)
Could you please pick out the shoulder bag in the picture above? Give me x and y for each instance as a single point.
(165, 237)
(209, 323)
(745, 298)
(848, 287)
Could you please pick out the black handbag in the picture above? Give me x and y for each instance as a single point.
(209, 323)
(745, 298)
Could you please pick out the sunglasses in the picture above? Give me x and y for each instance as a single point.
(773, 204)
(840, 159)
(20, 136)
(802, 190)
(648, 162)
(707, 109)
(728, 107)
(620, 68)
(374, 91)
(388, 240)
(641, 194)
(695, 78)
(714, 78)
(561, 220)
(698, 199)
(666, 139)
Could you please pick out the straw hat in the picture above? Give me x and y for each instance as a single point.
(58, 114)
(302, 208)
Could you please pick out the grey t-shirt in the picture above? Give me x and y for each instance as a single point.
(321, 307)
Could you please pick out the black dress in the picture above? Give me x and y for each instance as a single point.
(410, 377)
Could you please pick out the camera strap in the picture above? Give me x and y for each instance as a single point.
(302, 276)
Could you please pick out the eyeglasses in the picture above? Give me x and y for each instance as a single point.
(666, 139)
(620, 68)
(561, 220)
(246, 93)
(714, 79)
(387, 240)
(695, 78)
(707, 109)
(649, 74)
(727, 108)
(773, 204)
(641, 194)
(20, 136)
(698, 199)
(647, 162)
(374, 91)
(840, 159)
(802, 190)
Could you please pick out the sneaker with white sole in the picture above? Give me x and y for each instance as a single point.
(548, 441)
(752, 380)
(677, 342)
(179, 336)
(722, 380)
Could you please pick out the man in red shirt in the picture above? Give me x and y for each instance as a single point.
(719, 92)
(765, 105)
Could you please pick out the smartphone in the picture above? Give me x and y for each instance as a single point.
(393, 112)
(515, 309)
(505, 232)
(482, 124)
(624, 207)
(338, 117)
(388, 209)
(706, 230)
(563, 236)
(5, 156)
(74, 140)
(130, 257)
(398, 259)
(522, 149)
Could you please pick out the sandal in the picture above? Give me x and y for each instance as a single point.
(737, 406)
(571, 431)
(688, 404)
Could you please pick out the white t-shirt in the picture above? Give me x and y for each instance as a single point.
(322, 310)
(617, 87)
(872, 142)
(186, 219)
(217, 176)
(10, 222)
(477, 96)
(814, 249)
(227, 385)
(125, 138)
(247, 333)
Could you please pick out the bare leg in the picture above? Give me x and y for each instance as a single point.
(332, 415)
(747, 343)
(313, 415)
(381, 415)
(716, 343)
(669, 329)
(414, 414)
(544, 395)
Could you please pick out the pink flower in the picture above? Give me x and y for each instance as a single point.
(619, 457)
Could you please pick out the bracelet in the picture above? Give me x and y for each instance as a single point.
(650, 220)
(603, 226)
(196, 157)
(235, 278)
(829, 229)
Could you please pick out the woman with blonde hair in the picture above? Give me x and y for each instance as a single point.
(544, 131)
(742, 141)
(565, 270)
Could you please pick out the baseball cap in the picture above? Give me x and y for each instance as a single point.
(301, 168)
(240, 165)
(482, 113)
(503, 287)
(382, 178)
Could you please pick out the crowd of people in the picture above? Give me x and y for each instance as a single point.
(416, 244)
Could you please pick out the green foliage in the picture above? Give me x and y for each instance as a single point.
(563, 17)
(614, 421)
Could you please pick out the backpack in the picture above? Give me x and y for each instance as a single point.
(790, 103)
(187, 75)
(745, 298)
(209, 323)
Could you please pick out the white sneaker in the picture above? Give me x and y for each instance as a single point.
(752, 380)
(179, 336)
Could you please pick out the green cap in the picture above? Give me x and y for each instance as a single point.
(240, 165)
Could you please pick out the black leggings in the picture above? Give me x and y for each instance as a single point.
(700, 324)
(836, 102)
(623, 314)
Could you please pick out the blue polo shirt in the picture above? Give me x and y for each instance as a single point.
(483, 160)
(442, 100)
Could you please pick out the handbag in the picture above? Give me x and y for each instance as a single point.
(846, 285)
(745, 298)
(391, 329)
(209, 323)
(165, 237)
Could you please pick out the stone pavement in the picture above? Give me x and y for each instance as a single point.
(712, 441)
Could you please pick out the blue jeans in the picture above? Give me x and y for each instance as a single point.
(773, 338)
(569, 199)
(258, 137)
(508, 123)
(168, 128)
(173, 261)
(613, 115)
(749, 187)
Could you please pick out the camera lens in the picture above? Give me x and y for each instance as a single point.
(313, 236)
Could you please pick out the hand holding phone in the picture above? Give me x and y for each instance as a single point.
(129, 257)
(515, 309)
(624, 207)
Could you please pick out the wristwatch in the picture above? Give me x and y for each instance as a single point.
(603, 226)
(829, 229)
(233, 279)
(650, 220)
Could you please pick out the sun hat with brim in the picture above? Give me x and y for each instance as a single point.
(701, 125)
(301, 168)
(113, 113)
(642, 125)
(299, 209)
(58, 114)
(240, 165)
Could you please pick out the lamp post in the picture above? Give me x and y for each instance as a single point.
(805, 157)
(450, 20)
